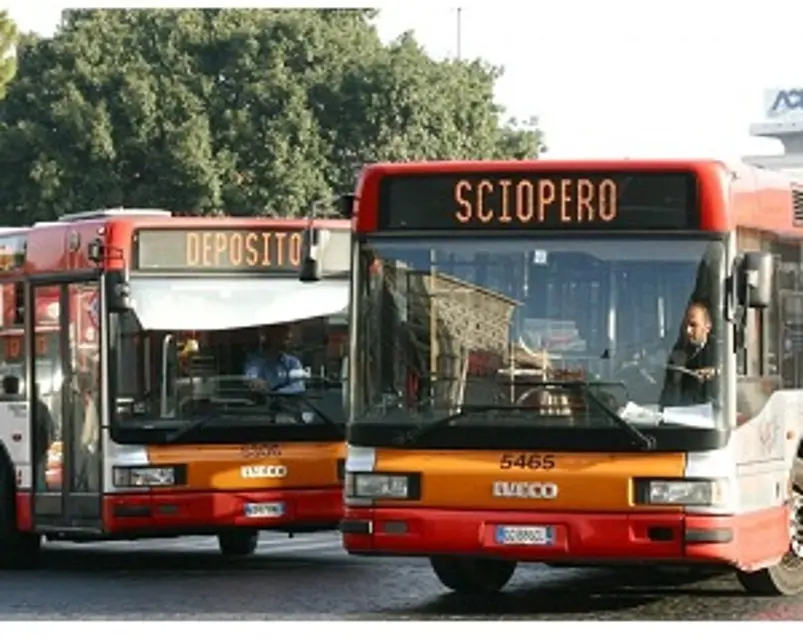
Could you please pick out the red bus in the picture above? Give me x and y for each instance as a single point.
(577, 362)
(127, 410)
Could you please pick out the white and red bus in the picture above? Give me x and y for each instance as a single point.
(125, 411)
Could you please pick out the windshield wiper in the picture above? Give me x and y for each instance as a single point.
(308, 403)
(466, 410)
(645, 441)
(201, 422)
(192, 426)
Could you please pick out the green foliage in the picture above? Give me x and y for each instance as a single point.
(8, 40)
(238, 111)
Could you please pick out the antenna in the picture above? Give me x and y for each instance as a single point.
(459, 33)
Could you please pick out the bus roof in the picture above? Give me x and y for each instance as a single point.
(61, 245)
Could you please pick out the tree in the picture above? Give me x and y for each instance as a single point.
(8, 62)
(242, 111)
(520, 140)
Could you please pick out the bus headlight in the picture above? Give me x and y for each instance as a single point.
(392, 486)
(132, 477)
(698, 492)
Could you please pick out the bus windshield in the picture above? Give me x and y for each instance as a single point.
(498, 324)
(249, 351)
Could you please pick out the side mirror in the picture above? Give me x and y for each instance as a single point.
(756, 276)
(347, 205)
(310, 270)
(117, 291)
(169, 369)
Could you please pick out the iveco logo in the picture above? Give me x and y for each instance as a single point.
(526, 490)
(263, 471)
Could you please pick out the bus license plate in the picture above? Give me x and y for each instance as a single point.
(264, 510)
(543, 536)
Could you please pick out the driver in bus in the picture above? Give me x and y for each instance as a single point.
(270, 367)
(691, 369)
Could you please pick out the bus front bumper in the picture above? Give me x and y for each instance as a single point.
(747, 541)
(204, 512)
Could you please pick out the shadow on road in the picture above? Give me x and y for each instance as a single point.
(98, 560)
(163, 583)
(560, 593)
(98, 583)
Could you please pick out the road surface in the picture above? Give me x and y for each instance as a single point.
(311, 577)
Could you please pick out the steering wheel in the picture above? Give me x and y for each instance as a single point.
(647, 372)
(705, 373)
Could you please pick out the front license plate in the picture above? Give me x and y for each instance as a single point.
(264, 510)
(541, 536)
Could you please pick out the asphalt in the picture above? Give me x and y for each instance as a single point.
(311, 577)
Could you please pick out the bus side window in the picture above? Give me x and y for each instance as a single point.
(758, 357)
(131, 375)
(791, 339)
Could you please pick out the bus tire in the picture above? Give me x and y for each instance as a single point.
(238, 543)
(786, 577)
(472, 575)
(18, 549)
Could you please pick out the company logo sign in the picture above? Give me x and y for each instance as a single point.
(525, 490)
(263, 471)
(784, 101)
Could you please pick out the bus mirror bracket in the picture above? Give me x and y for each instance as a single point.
(310, 270)
(755, 275)
(95, 251)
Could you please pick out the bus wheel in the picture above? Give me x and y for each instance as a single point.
(786, 577)
(472, 575)
(238, 543)
(18, 550)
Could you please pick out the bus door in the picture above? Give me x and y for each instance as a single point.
(65, 418)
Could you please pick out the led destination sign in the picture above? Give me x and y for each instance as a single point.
(546, 201)
(228, 250)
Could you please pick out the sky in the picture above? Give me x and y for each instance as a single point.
(606, 79)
